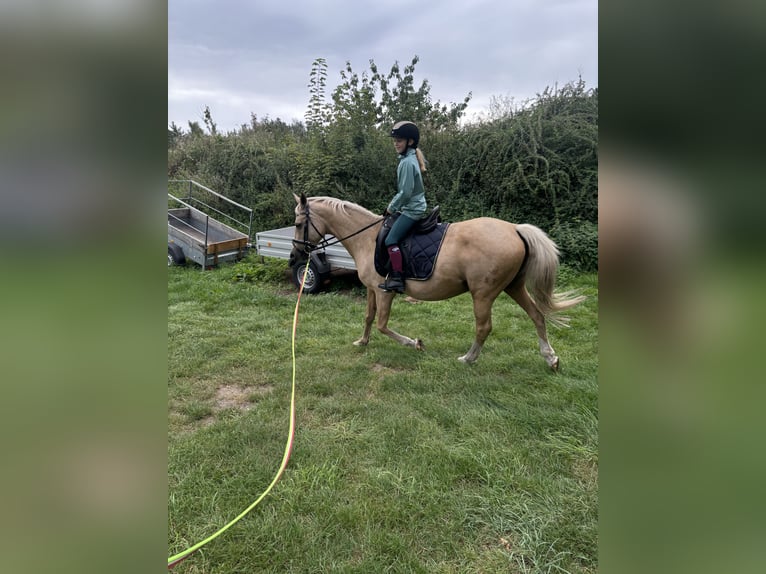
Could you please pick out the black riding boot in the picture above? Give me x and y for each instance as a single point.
(394, 282)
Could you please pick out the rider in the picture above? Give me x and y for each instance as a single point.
(410, 200)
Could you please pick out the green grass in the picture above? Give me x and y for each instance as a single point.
(403, 461)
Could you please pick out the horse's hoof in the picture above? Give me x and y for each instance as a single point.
(360, 343)
(555, 365)
(419, 346)
(465, 360)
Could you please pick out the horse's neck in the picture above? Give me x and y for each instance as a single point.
(347, 226)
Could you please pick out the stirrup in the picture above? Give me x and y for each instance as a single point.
(392, 284)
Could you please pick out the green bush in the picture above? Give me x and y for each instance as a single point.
(256, 269)
(578, 243)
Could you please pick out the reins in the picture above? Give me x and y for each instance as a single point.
(308, 246)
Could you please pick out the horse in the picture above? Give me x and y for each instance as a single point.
(484, 256)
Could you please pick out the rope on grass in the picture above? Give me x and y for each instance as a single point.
(181, 556)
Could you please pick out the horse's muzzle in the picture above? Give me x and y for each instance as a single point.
(297, 256)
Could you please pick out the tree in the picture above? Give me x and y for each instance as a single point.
(382, 99)
(175, 133)
(195, 130)
(317, 114)
(211, 125)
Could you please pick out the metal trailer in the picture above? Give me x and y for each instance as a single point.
(195, 235)
(279, 242)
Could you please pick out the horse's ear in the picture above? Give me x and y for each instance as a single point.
(301, 200)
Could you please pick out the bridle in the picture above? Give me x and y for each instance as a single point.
(307, 246)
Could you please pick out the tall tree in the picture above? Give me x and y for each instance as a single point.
(382, 99)
(317, 114)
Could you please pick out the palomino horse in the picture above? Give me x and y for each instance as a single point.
(485, 256)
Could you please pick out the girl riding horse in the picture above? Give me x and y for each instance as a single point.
(409, 201)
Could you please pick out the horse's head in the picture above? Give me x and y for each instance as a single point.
(309, 230)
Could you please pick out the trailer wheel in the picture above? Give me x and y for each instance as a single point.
(314, 279)
(175, 255)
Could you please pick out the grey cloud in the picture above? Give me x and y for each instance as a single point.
(256, 57)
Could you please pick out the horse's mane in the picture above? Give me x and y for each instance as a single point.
(341, 205)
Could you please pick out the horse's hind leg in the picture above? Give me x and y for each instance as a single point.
(384, 312)
(368, 318)
(519, 294)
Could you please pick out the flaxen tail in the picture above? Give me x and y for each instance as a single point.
(540, 274)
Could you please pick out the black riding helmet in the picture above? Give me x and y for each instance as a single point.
(407, 131)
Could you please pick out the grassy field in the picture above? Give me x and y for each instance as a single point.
(404, 461)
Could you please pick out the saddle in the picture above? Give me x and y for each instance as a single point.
(419, 248)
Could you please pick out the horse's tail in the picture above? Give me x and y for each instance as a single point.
(540, 274)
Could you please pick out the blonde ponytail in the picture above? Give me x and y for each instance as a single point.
(421, 159)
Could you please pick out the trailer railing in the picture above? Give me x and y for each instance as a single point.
(186, 223)
(191, 201)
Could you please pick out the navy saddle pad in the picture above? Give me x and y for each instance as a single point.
(419, 249)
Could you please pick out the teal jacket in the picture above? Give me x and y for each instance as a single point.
(411, 197)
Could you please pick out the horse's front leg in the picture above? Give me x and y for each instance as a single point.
(384, 312)
(368, 318)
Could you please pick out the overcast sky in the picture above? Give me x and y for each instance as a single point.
(250, 56)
